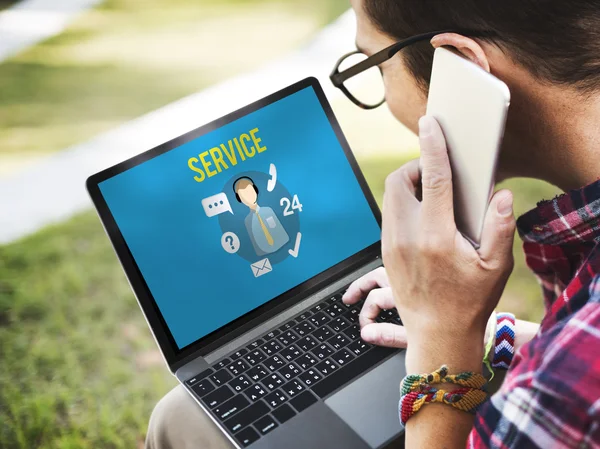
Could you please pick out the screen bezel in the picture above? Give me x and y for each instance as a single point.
(175, 356)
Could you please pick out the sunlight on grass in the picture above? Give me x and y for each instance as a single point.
(129, 57)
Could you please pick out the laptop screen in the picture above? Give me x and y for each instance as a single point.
(236, 217)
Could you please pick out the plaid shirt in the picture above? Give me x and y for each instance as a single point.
(550, 397)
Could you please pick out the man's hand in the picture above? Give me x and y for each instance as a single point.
(375, 287)
(444, 289)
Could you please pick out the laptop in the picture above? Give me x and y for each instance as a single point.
(239, 239)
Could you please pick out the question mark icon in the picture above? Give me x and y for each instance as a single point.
(230, 242)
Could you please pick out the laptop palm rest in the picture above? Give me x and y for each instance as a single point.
(369, 405)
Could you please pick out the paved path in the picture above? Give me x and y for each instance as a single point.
(31, 21)
(53, 190)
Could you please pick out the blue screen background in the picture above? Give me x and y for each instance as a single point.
(199, 287)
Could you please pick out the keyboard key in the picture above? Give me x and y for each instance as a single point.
(238, 367)
(338, 342)
(274, 363)
(218, 396)
(231, 407)
(307, 343)
(353, 332)
(273, 381)
(271, 348)
(289, 371)
(310, 377)
(276, 398)
(339, 324)
(265, 424)
(323, 333)
(203, 387)
(255, 357)
(221, 377)
(351, 369)
(247, 436)
(293, 388)
(342, 357)
(287, 338)
(352, 315)
(246, 416)
(291, 353)
(303, 401)
(287, 326)
(334, 310)
(199, 377)
(255, 344)
(319, 319)
(283, 413)
(255, 392)
(318, 308)
(304, 316)
(326, 367)
(359, 347)
(222, 364)
(306, 361)
(271, 335)
(240, 383)
(322, 351)
(257, 373)
(304, 328)
(238, 354)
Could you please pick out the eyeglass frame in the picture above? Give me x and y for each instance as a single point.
(338, 78)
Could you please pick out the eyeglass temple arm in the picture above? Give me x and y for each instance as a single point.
(338, 78)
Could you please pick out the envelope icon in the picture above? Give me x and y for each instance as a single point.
(261, 267)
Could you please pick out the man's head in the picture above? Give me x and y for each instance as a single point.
(246, 191)
(540, 48)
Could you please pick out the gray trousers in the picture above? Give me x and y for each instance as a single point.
(178, 422)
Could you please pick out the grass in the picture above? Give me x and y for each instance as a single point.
(78, 366)
(128, 57)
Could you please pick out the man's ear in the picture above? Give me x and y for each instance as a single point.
(465, 45)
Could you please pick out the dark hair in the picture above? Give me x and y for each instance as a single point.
(556, 40)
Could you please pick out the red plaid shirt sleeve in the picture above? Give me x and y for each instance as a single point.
(550, 397)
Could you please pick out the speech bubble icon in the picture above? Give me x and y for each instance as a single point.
(216, 204)
(230, 242)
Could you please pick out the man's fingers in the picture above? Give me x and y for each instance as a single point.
(384, 334)
(436, 176)
(498, 229)
(363, 285)
(377, 300)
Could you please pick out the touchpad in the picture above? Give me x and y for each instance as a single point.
(369, 405)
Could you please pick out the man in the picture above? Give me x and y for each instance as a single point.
(548, 53)
(264, 228)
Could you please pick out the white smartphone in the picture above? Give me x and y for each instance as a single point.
(471, 106)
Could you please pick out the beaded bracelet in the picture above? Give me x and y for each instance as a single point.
(465, 399)
(504, 349)
(414, 382)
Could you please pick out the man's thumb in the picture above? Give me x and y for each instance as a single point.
(499, 228)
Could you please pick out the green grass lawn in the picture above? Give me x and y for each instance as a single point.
(128, 57)
(78, 366)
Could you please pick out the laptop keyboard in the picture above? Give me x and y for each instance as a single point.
(256, 389)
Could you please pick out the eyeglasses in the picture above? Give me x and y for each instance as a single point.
(360, 77)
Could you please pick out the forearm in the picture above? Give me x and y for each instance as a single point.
(524, 332)
(439, 425)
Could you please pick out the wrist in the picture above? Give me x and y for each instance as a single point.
(460, 351)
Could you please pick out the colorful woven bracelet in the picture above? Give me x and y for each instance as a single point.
(504, 348)
(417, 382)
(465, 399)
